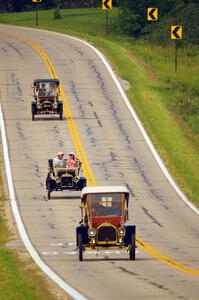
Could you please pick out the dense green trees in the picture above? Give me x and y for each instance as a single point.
(132, 18)
(21, 5)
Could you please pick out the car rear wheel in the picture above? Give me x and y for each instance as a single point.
(132, 248)
(80, 244)
(49, 190)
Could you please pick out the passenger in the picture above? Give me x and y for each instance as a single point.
(72, 162)
(51, 93)
(58, 160)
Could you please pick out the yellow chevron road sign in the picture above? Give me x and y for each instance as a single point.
(107, 4)
(176, 32)
(36, 1)
(152, 13)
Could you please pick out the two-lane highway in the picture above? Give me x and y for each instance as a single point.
(116, 153)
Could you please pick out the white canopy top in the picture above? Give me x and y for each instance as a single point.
(104, 189)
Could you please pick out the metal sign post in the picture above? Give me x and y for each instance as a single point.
(152, 16)
(37, 23)
(106, 5)
(176, 34)
(176, 56)
(37, 12)
(152, 37)
(106, 21)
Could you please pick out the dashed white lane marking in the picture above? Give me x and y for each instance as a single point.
(89, 252)
(50, 253)
(58, 244)
(70, 252)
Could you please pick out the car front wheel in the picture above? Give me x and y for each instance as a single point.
(49, 190)
(132, 248)
(80, 244)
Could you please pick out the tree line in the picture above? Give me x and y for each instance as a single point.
(23, 5)
(132, 19)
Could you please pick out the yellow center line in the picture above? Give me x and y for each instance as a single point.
(86, 167)
(165, 259)
(67, 112)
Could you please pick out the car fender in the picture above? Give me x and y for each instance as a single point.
(83, 230)
(33, 106)
(130, 229)
(60, 106)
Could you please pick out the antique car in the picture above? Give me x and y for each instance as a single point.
(46, 94)
(64, 178)
(104, 220)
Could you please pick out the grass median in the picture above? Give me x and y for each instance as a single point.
(166, 101)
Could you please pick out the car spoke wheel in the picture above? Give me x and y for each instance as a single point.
(132, 249)
(49, 190)
(80, 244)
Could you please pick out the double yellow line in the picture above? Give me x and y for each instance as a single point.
(67, 112)
(86, 168)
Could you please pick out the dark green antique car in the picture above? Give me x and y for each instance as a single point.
(64, 178)
(46, 95)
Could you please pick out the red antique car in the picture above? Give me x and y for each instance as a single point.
(103, 224)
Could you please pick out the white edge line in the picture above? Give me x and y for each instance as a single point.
(58, 280)
(132, 111)
(138, 122)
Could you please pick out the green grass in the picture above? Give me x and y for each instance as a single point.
(20, 278)
(167, 102)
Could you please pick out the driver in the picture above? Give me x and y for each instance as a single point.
(58, 160)
(42, 90)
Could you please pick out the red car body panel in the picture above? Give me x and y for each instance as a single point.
(97, 221)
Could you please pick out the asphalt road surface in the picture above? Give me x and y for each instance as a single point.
(117, 154)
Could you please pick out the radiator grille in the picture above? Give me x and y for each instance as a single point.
(66, 182)
(106, 234)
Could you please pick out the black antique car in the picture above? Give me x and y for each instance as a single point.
(46, 95)
(104, 220)
(64, 178)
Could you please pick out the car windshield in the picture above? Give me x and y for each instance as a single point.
(109, 204)
(47, 89)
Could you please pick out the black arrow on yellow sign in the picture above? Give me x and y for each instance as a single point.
(106, 4)
(176, 32)
(152, 13)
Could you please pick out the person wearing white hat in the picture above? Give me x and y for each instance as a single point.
(58, 160)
